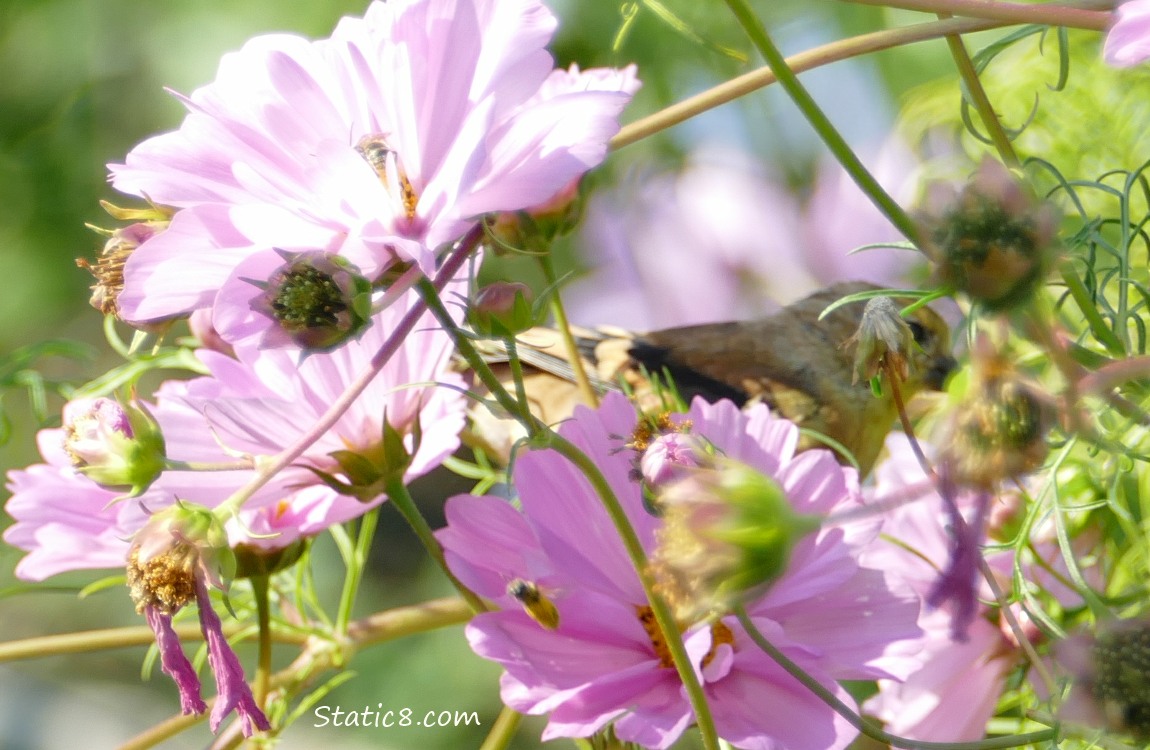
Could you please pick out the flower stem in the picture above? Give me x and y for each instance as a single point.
(101, 640)
(503, 730)
(819, 121)
(663, 616)
(1078, 15)
(264, 659)
(978, 97)
(866, 726)
(586, 392)
(475, 362)
(355, 568)
(399, 497)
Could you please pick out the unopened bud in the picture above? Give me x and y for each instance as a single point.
(118, 447)
(503, 309)
(728, 531)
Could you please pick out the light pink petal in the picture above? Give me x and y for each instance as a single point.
(180, 269)
(1128, 42)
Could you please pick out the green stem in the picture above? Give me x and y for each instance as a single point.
(979, 99)
(355, 568)
(663, 616)
(864, 725)
(402, 500)
(925, 300)
(586, 391)
(102, 640)
(476, 363)
(502, 731)
(836, 51)
(819, 121)
(516, 370)
(264, 659)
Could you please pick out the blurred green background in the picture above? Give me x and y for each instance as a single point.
(82, 82)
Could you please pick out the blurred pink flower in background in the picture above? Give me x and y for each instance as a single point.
(601, 664)
(723, 240)
(1128, 41)
(955, 691)
(380, 144)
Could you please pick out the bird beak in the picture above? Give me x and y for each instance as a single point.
(940, 370)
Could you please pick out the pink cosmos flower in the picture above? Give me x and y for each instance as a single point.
(259, 404)
(1128, 41)
(602, 664)
(380, 143)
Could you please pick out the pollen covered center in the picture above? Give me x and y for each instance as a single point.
(166, 582)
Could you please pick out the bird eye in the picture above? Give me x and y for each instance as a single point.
(918, 330)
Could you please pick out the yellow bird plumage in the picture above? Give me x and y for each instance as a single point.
(800, 366)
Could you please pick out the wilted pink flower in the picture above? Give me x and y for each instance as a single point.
(1128, 41)
(380, 143)
(606, 661)
(172, 560)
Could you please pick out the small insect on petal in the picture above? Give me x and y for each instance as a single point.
(537, 606)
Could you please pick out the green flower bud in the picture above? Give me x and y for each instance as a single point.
(118, 447)
(503, 310)
(728, 531)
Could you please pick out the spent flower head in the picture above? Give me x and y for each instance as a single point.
(998, 429)
(1110, 673)
(994, 241)
(173, 559)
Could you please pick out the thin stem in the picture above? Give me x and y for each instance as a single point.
(866, 726)
(240, 465)
(368, 522)
(663, 616)
(451, 265)
(1077, 16)
(399, 497)
(516, 366)
(819, 121)
(102, 640)
(586, 391)
(503, 730)
(264, 657)
(979, 99)
(477, 364)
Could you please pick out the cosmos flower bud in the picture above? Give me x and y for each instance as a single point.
(317, 300)
(118, 447)
(882, 337)
(728, 530)
(503, 309)
(998, 429)
(994, 241)
(537, 227)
